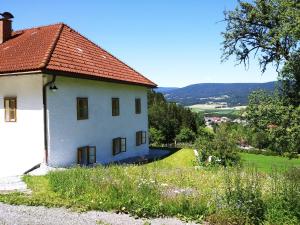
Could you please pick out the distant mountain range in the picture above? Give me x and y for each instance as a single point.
(233, 94)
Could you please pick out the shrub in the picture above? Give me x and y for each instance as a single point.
(185, 135)
(156, 137)
(221, 148)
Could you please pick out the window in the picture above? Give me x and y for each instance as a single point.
(138, 106)
(82, 109)
(86, 155)
(10, 106)
(119, 145)
(115, 106)
(140, 138)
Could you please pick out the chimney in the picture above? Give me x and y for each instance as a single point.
(5, 26)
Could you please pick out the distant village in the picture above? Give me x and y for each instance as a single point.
(211, 120)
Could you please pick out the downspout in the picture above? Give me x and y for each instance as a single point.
(46, 116)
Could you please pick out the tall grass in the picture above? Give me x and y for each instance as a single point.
(221, 196)
(254, 198)
(130, 190)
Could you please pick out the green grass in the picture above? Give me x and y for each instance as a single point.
(170, 187)
(268, 163)
(181, 159)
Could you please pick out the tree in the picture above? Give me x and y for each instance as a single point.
(276, 123)
(221, 147)
(156, 136)
(186, 135)
(269, 29)
(169, 118)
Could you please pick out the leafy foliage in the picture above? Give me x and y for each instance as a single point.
(221, 148)
(186, 136)
(271, 30)
(275, 122)
(156, 137)
(169, 119)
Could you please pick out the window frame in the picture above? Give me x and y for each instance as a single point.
(141, 137)
(115, 109)
(86, 150)
(79, 116)
(9, 120)
(120, 143)
(138, 106)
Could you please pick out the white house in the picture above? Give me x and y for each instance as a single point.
(64, 100)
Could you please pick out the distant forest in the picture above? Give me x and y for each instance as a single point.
(233, 94)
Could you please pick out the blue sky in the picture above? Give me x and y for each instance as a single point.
(172, 42)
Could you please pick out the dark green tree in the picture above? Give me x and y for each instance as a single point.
(186, 135)
(169, 118)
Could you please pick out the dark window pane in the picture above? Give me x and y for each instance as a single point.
(82, 108)
(138, 106)
(144, 137)
(123, 144)
(115, 107)
(10, 106)
(116, 146)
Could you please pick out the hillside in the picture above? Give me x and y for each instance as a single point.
(233, 94)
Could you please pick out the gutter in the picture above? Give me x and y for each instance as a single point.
(46, 116)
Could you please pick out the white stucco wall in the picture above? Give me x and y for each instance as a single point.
(66, 133)
(21, 142)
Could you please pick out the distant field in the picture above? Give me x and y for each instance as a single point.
(268, 163)
(203, 107)
(210, 110)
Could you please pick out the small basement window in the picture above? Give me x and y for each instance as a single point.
(82, 109)
(141, 138)
(138, 106)
(119, 145)
(115, 105)
(86, 155)
(10, 107)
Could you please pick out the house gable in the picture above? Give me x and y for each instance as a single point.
(61, 50)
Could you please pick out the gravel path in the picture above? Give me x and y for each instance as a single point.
(30, 215)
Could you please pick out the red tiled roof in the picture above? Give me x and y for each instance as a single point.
(58, 48)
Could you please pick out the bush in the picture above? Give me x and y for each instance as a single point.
(275, 122)
(156, 137)
(220, 148)
(185, 135)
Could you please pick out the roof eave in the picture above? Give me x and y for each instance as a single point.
(92, 77)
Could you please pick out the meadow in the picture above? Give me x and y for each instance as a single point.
(209, 110)
(267, 164)
(175, 187)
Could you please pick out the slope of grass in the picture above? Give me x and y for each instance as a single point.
(268, 163)
(185, 158)
(170, 187)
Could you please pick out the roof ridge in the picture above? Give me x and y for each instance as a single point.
(107, 52)
(37, 27)
(52, 47)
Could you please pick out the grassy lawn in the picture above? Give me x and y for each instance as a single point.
(181, 159)
(268, 163)
(170, 187)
